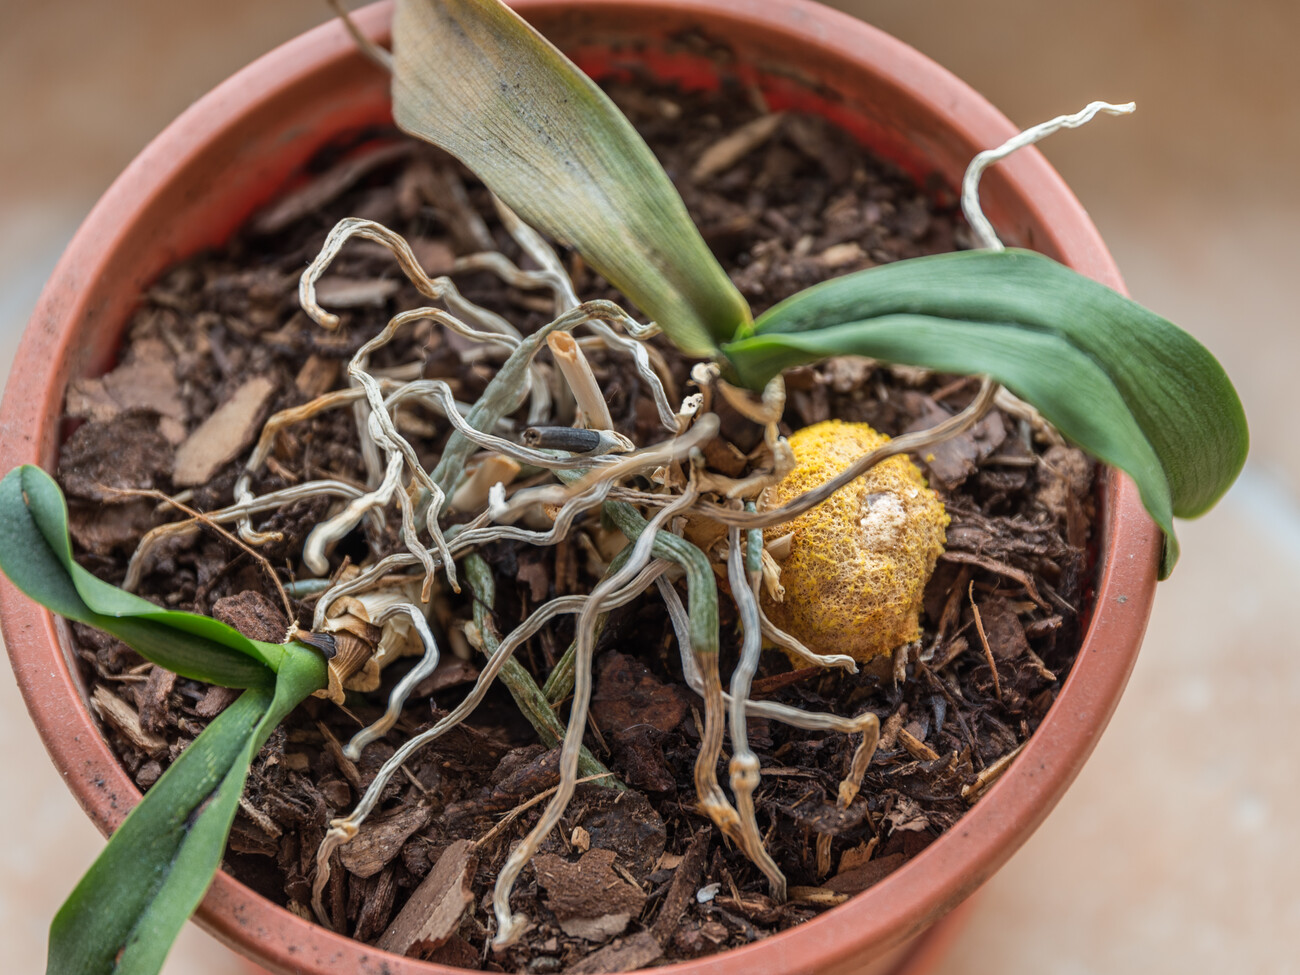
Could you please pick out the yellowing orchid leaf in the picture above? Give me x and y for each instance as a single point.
(472, 77)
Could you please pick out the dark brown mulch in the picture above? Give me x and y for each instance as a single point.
(803, 205)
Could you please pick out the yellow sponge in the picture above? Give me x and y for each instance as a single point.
(857, 563)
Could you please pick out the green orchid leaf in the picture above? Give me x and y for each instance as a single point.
(123, 916)
(36, 555)
(1124, 384)
(472, 77)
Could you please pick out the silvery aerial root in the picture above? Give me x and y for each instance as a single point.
(510, 925)
(744, 577)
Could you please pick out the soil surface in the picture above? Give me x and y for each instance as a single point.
(220, 343)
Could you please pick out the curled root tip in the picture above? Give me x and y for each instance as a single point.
(511, 931)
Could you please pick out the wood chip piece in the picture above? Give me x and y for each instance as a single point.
(124, 718)
(859, 855)
(590, 899)
(253, 614)
(889, 731)
(734, 146)
(860, 878)
(154, 700)
(101, 528)
(682, 890)
(215, 700)
(839, 255)
(989, 775)
(328, 186)
(623, 955)
(1005, 633)
(317, 376)
(817, 896)
(915, 747)
(433, 914)
(999, 568)
(148, 382)
(219, 439)
(380, 839)
(628, 694)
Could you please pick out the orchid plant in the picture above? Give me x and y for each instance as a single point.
(471, 77)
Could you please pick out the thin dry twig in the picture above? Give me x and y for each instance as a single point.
(988, 651)
(203, 519)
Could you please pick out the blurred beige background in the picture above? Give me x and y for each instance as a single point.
(1174, 852)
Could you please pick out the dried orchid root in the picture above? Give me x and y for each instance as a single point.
(869, 726)
(381, 432)
(509, 925)
(988, 237)
(428, 663)
(344, 829)
(702, 629)
(553, 276)
(531, 700)
(594, 468)
(743, 572)
(778, 637)
(792, 716)
(140, 559)
(970, 201)
(498, 399)
(439, 289)
(593, 412)
(907, 443)
(466, 540)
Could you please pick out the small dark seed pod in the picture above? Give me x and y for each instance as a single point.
(573, 439)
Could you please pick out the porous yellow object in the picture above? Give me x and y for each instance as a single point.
(858, 563)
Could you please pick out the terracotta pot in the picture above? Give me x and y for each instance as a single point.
(244, 142)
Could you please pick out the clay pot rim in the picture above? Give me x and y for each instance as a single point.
(911, 898)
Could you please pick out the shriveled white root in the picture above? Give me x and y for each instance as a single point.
(589, 496)
(970, 199)
(907, 443)
(852, 784)
(592, 478)
(988, 237)
(427, 665)
(510, 925)
(660, 454)
(439, 289)
(381, 433)
(344, 829)
(553, 275)
(866, 724)
(744, 763)
(795, 718)
(713, 801)
(262, 451)
(140, 559)
(436, 393)
(593, 412)
(784, 640)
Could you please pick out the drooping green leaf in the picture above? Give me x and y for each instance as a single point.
(472, 77)
(1121, 382)
(123, 916)
(36, 555)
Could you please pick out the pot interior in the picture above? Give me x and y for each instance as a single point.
(264, 131)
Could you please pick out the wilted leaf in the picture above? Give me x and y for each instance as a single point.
(471, 77)
(36, 555)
